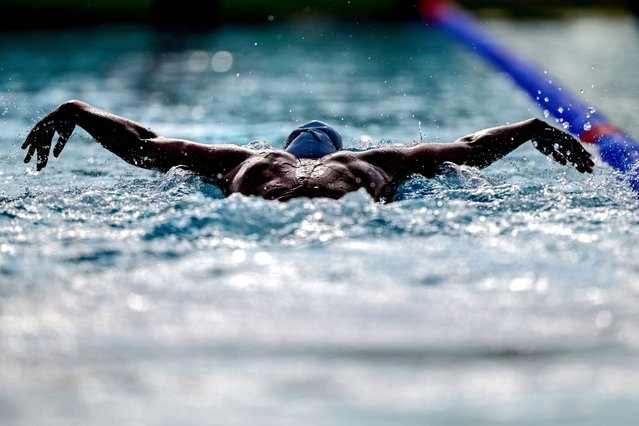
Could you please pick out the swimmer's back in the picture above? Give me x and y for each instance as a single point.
(282, 176)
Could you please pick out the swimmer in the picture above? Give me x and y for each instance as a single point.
(312, 163)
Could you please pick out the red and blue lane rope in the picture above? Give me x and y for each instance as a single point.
(615, 146)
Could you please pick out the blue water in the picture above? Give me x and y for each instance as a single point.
(503, 296)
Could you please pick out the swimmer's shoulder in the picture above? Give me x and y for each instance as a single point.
(344, 156)
(355, 158)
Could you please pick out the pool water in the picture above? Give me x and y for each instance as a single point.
(508, 295)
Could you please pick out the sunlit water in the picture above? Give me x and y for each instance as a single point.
(128, 297)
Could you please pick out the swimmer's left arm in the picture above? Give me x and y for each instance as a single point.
(482, 148)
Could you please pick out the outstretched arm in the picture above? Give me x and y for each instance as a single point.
(128, 140)
(482, 148)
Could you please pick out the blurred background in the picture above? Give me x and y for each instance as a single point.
(19, 14)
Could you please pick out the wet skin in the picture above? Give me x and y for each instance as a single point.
(277, 174)
(282, 176)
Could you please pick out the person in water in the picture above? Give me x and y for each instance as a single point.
(312, 163)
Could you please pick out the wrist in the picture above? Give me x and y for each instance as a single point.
(71, 107)
(537, 124)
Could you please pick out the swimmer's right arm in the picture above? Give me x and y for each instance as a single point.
(128, 140)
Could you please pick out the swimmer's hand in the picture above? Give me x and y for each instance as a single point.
(39, 139)
(563, 148)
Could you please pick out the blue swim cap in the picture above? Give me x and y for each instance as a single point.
(314, 139)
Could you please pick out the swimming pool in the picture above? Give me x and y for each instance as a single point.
(507, 295)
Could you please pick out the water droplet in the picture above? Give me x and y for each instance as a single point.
(587, 126)
(222, 61)
(565, 125)
(603, 319)
(546, 99)
(197, 112)
(238, 256)
(560, 110)
(546, 113)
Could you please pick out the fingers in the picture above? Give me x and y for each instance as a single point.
(31, 142)
(42, 161)
(59, 146)
(559, 157)
(565, 149)
(64, 130)
(38, 141)
(586, 166)
(43, 149)
(30, 153)
(34, 134)
(542, 146)
(581, 159)
(577, 155)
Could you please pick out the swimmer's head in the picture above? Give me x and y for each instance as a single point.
(314, 139)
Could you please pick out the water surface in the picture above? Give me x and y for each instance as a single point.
(507, 295)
